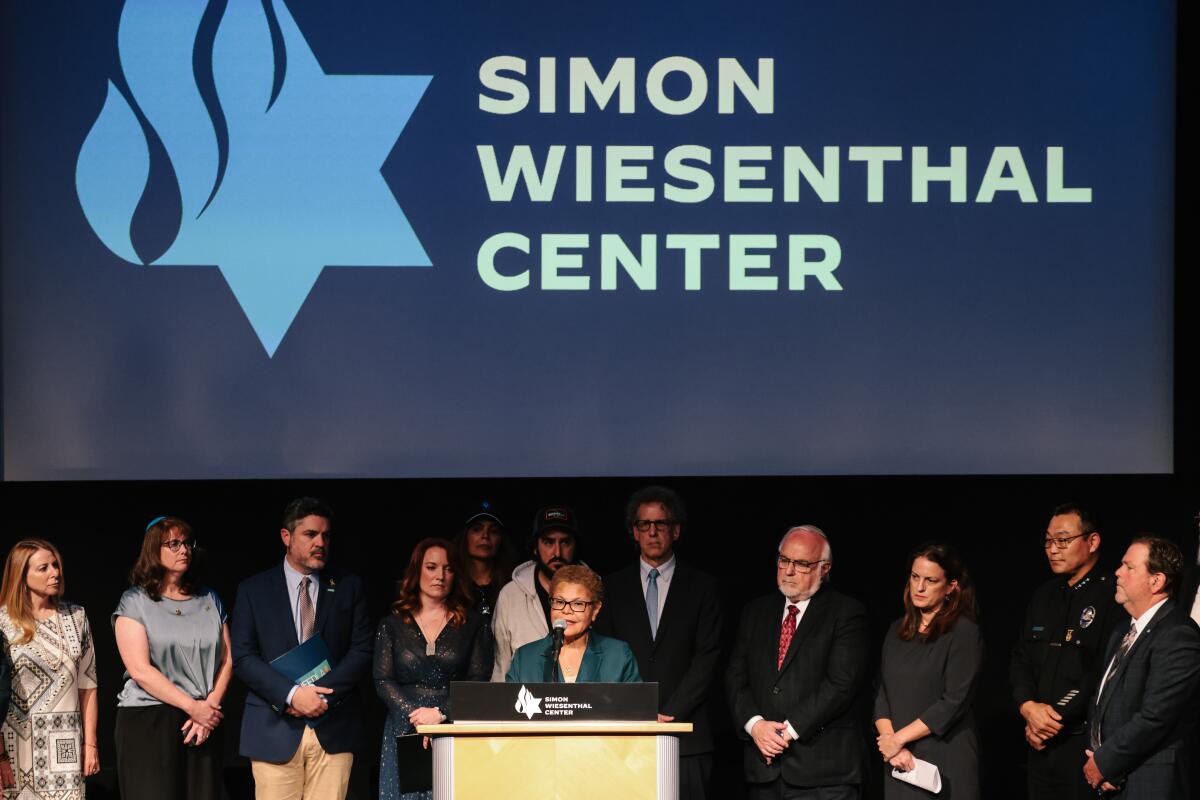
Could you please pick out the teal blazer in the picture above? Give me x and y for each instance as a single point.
(604, 661)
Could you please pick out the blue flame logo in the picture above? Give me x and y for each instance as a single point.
(276, 163)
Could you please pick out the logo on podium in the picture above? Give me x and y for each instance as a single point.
(527, 704)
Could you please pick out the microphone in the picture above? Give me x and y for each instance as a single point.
(559, 631)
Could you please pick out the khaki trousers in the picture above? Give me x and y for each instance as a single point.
(311, 774)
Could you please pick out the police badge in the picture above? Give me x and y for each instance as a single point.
(1087, 617)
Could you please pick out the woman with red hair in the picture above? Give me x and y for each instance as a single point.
(433, 636)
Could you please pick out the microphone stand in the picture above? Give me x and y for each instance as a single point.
(551, 672)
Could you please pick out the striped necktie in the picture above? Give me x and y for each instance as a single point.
(305, 610)
(1122, 651)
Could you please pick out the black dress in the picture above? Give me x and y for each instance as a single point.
(486, 596)
(407, 679)
(934, 682)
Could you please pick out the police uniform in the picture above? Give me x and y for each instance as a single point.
(1055, 662)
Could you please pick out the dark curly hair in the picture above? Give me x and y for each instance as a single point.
(655, 494)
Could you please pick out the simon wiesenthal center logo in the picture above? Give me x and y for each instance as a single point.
(557, 706)
(527, 704)
(277, 163)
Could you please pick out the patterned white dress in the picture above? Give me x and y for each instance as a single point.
(43, 733)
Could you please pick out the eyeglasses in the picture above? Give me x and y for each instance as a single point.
(576, 606)
(1060, 542)
(174, 544)
(644, 525)
(803, 567)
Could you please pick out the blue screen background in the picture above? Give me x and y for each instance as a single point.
(969, 338)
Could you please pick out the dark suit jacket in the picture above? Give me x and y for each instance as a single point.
(263, 629)
(604, 661)
(5, 679)
(683, 658)
(823, 674)
(1148, 708)
(1187, 588)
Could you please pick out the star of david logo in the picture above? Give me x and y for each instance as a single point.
(527, 704)
(277, 163)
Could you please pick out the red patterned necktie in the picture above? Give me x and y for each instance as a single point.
(786, 633)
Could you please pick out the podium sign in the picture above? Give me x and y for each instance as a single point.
(553, 702)
(558, 760)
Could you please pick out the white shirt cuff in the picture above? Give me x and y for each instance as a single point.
(292, 694)
(749, 726)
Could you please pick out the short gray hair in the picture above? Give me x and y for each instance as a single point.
(826, 550)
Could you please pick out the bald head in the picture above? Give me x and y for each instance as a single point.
(812, 535)
(803, 563)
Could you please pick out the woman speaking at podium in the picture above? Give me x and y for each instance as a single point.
(576, 594)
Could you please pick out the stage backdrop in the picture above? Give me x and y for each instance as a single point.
(251, 238)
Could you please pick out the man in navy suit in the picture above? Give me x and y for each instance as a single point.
(669, 615)
(1142, 723)
(300, 739)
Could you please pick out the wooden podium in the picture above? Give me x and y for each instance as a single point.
(556, 760)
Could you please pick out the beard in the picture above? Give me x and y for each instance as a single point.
(549, 571)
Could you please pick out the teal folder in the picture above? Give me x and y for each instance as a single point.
(305, 665)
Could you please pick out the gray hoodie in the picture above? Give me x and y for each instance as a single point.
(519, 618)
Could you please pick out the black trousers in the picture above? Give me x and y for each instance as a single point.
(1056, 773)
(153, 763)
(779, 789)
(695, 775)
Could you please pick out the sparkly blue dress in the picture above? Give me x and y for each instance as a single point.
(407, 679)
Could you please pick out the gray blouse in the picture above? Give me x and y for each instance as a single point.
(184, 638)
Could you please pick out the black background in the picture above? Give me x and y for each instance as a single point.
(873, 524)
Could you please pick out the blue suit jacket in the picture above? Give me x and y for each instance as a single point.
(604, 661)
(263, 629)
(1148, 709)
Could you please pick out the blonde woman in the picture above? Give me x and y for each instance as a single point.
(50, 731)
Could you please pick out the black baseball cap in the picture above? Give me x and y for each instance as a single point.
(555, 518)
(485, 510)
